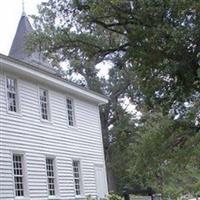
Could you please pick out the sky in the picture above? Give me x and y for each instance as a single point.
(10, 13)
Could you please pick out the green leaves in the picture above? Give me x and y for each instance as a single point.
(198, 72)
(166, 154)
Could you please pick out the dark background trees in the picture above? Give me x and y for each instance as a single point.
(152, 48)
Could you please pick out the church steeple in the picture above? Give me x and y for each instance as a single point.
(23, 9)
(18, 49)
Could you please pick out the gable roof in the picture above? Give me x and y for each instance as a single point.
(18, 49)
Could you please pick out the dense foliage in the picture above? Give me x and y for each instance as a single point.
(154, 51)
(166, 155)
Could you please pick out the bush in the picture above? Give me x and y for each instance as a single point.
(113, 196)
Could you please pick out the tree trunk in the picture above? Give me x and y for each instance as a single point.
(111, 179)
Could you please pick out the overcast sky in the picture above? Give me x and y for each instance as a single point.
(10, 13)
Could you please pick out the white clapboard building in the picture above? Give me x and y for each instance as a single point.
(50, 131)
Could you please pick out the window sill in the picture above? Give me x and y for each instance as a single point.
(43, 121)
(22, 198)
(72, 127)
(53, 198)
(17, 114)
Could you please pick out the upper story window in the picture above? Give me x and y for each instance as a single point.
(18, 175)
(50, 176)
(11, 85)
(70, 112)
(77, 177)
(44, 104)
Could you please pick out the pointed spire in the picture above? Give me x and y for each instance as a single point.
(23, 8)
(18, 49)
(18, 46)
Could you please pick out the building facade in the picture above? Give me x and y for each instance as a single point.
(50, 131)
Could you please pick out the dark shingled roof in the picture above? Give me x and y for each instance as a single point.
(18, 48)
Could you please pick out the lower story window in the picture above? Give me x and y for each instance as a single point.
(77, 177)
(50, 176)
(18, 175)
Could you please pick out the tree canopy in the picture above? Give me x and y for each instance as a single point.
(154, 51)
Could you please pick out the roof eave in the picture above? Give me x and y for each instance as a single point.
(45, 76)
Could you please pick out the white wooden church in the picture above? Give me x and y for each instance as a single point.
(50, 131)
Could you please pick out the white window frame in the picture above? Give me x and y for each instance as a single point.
(24, 176)
(80, 178)
(16, 94)
(72, 110)
(56, 193)
(48, 105)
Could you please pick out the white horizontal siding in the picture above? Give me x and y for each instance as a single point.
(6, 180)
(26, 133)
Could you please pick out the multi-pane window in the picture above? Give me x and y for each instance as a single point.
(50, 176)
(44, 104)
(70, 111)
(18, 175)
(11, 94)
(77, 176)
